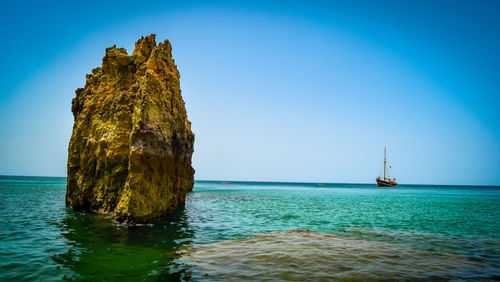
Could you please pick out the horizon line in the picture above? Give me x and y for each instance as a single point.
(292, 182)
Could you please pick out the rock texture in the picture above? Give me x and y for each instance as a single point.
(131, 147)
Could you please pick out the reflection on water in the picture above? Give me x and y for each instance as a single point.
(307, 255)
(102, 249)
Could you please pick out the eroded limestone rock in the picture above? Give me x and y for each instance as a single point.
(131, 147)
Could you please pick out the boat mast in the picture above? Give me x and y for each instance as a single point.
(384, 162)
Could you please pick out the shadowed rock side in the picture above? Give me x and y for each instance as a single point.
(131, 146)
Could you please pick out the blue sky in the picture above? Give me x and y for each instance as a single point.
(276, 90)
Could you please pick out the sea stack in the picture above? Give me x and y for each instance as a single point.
(131, 146)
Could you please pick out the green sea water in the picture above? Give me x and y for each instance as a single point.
(257, 231)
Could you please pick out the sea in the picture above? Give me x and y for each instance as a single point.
(259, 231)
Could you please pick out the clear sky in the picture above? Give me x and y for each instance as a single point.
(275, 90)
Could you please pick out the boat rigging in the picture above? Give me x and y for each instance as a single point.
(386, 181)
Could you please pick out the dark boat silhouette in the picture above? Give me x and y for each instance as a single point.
(386, 181)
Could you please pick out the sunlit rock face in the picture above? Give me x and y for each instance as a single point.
(131, 146)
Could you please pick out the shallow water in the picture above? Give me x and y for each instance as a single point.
(382, 233)
(307, 255)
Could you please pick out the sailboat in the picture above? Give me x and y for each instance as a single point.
(386, 181)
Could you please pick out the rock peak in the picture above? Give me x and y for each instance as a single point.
(143, 48)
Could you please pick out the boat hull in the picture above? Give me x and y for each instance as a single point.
(382, 183)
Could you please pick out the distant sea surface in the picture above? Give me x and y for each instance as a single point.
(257, 231)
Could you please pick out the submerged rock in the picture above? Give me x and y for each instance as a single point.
(302, 255)
(131, 146)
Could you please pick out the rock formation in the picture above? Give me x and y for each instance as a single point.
(131, 146)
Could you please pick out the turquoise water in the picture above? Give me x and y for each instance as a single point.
(410, 232)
